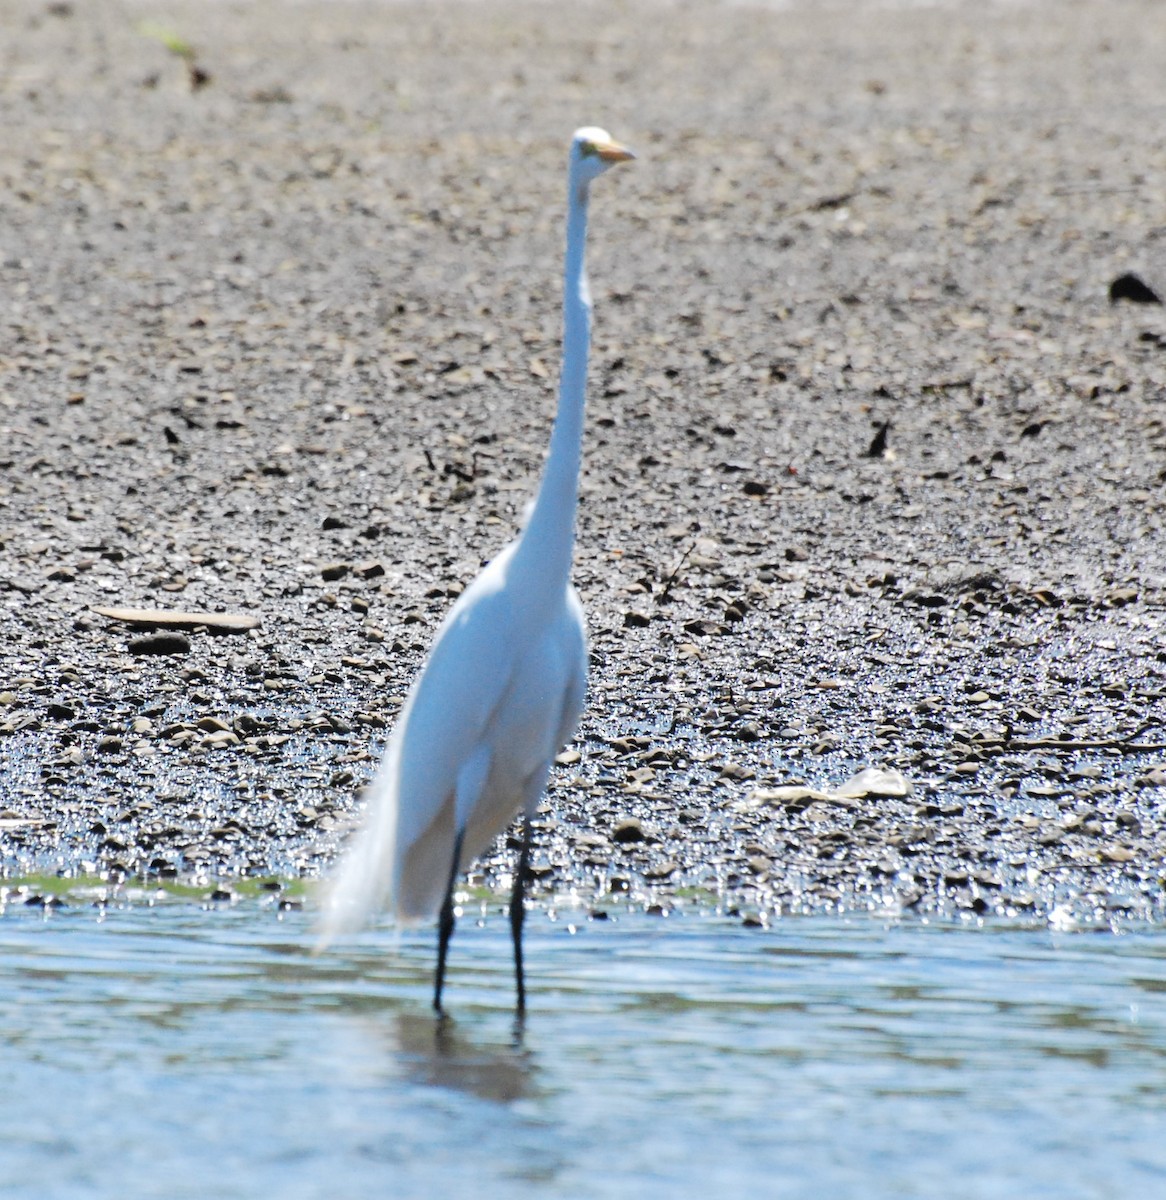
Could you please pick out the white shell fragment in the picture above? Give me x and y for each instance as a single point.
(869, 782)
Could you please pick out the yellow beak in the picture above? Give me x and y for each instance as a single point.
(612, 152)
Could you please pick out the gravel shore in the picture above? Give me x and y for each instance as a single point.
(874, 470)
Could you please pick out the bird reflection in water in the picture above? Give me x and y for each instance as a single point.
(439, 1054)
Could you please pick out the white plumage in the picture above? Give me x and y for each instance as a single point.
(503, 687)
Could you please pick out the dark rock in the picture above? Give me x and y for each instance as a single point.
(1130, 287)
(878, 445)
(927, 599)
(629, 830)
(160, 643)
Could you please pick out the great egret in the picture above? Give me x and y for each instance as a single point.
(503, 687)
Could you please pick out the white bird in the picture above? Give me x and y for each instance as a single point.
(503, 687)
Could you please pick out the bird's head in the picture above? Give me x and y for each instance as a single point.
(593, 151)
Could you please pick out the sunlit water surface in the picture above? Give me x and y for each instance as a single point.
(176, 1052)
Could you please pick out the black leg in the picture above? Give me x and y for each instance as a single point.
(518, 913)
(445, 924)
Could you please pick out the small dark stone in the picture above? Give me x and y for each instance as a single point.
(60, 712)
(160, 643)
(755, 487)
(703, 628)
(878, 445)
(635, 620)
(1130, 287)
(1121, 596)
(628, 830)
(334, 571)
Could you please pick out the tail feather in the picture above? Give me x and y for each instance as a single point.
(365, 881)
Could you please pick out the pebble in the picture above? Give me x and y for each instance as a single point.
(1133, 288)
(213, 725)
(160, 643)
(628, 830)
(220, 739)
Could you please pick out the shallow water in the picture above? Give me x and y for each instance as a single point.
(179, 1052)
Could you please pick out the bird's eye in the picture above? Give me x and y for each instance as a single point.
(588, 150)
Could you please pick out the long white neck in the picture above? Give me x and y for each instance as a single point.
(549, 538)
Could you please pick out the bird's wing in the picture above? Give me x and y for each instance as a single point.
(448, 709)
(453, 703)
